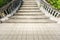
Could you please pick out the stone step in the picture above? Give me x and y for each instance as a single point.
(28, 5)
(28, 10)
(28, 17)
(30, 13)
(29, 21)
(30, 1)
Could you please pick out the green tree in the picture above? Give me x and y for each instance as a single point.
(55, 3)
(3, 2)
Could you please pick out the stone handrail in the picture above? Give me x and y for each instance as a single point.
(49, 8)
(9, 9)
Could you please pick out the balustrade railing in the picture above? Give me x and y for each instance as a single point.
(49, 9)
(7, 10)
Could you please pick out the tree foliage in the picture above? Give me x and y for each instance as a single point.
(3, 2)
(55, 3)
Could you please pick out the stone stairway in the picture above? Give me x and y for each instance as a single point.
(29, 13)
(29, 23)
